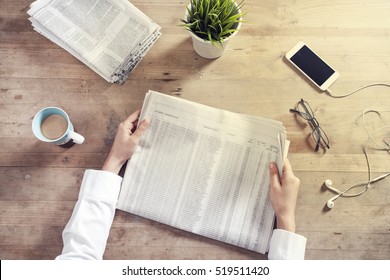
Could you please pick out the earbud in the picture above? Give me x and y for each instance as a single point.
(328, 184)
(330, 202)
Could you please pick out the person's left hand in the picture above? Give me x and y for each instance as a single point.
(125, 142)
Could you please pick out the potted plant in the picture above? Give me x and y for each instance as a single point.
(212, 23)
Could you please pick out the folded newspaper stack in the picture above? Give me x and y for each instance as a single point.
(109, 36)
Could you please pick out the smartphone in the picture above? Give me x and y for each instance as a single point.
(312, 66)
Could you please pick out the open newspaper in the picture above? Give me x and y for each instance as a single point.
(205, 170)
(109, 36)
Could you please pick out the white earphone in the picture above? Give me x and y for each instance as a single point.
(367, 184)
(329, 184)
(330, 202)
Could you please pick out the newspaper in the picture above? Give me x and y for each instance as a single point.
(205, 170)
(109, 36)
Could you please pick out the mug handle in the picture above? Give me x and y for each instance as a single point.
(77, 138)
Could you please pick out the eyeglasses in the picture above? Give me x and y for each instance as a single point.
(319, 136)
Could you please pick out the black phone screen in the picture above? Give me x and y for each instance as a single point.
(312, 65)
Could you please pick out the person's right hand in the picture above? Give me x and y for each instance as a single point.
(125, 142)
(283, 195)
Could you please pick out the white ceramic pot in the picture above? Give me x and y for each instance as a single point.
(206, 49)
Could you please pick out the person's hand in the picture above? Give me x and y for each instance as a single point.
(125, 142)
(283, 195)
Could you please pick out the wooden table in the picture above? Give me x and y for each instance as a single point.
(39, 182)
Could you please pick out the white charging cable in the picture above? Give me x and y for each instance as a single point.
(359, 89)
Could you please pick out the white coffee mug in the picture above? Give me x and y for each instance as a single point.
(65, 135)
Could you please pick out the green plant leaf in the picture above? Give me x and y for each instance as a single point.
(213, 20)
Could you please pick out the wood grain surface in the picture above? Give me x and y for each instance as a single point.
(39, 182)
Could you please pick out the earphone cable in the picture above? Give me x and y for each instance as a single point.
(368, 183)
(386, 148)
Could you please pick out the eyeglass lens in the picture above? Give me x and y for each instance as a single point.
(318, 135)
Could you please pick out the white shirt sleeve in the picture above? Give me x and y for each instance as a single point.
(85, 236)
(286, 245)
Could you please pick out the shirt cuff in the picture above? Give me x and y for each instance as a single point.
(101, 185)
(286, 245)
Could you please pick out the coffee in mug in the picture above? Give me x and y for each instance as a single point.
(53, 125)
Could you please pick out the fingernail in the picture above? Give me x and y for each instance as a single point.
(145, 123)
